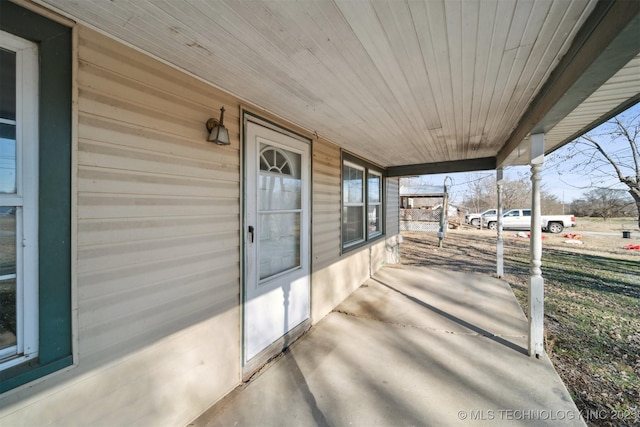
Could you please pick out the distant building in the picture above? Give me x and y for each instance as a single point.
(422, 196)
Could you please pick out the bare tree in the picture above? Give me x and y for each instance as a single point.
(550, 204)
(610, 155)
(516, 193)
(482, 194)
(603, 203)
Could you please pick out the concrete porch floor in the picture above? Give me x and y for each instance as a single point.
(412, 346)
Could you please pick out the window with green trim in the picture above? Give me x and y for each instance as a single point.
(35, 196)
(374, 203)
(18, 200)
(353, 230)
(362, 202)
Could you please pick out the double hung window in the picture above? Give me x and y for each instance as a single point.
(18, 200)
(374, 203)
(362, 202)
(352, 204)
(35, 196)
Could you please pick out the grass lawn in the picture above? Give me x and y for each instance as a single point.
(592, 306)
(592, 329)
(611, 224)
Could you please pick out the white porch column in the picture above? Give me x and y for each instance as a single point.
(536, 282)
(500, 245)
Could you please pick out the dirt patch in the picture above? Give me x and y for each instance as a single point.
(592, 306)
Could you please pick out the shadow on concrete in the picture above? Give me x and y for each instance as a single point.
(407, 348)
(462, 322)
(300, 382)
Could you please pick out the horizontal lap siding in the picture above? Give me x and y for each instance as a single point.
(334, 275)
(158, 256)
(393, 207)
(326, 204)
(158, 225)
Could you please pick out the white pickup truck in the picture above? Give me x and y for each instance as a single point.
(520, 219)
(475, 218)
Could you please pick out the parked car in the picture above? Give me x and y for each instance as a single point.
(520, 219)
(475, 218)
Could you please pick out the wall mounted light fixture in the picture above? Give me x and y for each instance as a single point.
(217, 132)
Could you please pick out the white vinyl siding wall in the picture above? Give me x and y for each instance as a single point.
(158, 206)
(335, 275)
(158, 211)
(392, 207)
(157, 249)
(326, 204)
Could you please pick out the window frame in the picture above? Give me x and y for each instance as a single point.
(54, 127)
(380, 203)
(361, 204)
(367, 169)
(25, 199)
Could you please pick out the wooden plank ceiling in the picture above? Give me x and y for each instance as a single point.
(398, 82)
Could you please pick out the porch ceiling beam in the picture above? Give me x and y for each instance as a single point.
(485, 163)
(607, 41)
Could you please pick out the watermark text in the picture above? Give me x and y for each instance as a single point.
(627, 416)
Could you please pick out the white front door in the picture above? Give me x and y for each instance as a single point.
(276, 237)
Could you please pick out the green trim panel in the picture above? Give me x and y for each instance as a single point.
(34, 373)
(55, 76)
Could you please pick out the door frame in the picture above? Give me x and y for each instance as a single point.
(249, 368)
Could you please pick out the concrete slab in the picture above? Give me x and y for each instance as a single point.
(412, 346)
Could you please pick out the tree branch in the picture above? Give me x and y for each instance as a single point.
(621, 177)
(634, 150)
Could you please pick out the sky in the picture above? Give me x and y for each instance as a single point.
(557, 176)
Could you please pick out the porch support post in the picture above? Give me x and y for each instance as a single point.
(536, 282)
(500, 246)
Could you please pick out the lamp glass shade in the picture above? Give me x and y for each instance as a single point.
(219, 135)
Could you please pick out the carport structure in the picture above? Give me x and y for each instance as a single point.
(149, 234)
(417, 87)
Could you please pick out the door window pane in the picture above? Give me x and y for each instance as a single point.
(279, 193)
(279, 242)
(280, 182)
(279, 161)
